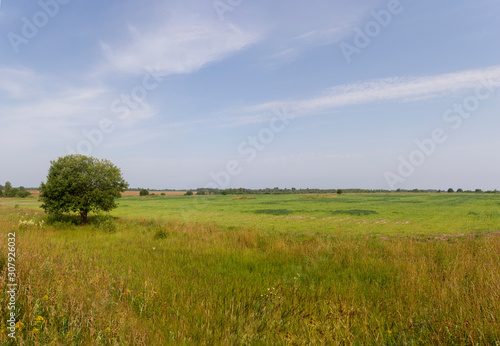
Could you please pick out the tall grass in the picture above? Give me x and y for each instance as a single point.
(160, 282)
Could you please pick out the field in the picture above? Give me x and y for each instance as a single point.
(382, 269)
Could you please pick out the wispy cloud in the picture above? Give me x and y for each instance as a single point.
(397, 89)
(322, 23)
(41, 108)
(177, 48)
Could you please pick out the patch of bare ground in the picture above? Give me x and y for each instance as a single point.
(34, 193)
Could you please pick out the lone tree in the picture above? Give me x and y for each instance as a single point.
(7, 189)
(81, 184)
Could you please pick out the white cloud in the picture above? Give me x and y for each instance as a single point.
(400, 89)
(177, 48)
(18, 82)
(40, 109)
(301, 26)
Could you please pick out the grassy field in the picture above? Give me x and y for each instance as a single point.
(401, 269)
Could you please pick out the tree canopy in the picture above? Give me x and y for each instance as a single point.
(82, 184)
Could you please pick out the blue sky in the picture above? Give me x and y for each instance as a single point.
(237, 93)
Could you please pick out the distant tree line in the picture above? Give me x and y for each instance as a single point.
(286, 191)
(9, 191)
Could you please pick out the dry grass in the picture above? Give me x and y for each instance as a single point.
(160, 282)
(34, 193)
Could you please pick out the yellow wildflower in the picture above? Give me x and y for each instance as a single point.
(36, 330)
(108, 330)
(45, 297)
(39, 320)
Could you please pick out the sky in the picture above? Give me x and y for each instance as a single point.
(184, 94)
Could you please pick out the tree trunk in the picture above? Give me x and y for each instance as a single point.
(83, 215)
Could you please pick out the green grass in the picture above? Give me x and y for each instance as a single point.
(232, 274)
(390, 214)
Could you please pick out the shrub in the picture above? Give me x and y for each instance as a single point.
(12, 192)
(189, 193)
(106, 224)
(22, 193)
(144, 192)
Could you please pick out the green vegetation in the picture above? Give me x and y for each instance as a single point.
(144, 192)
(13, 192)
(397, 269)
(387, 214)
(77, 183)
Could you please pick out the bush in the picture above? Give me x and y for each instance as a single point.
(144, 192)
(13, 192)
(189, 193)
(22, 193)
(105, 223)
(62, 221)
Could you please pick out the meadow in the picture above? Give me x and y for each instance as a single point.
(381, 269)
